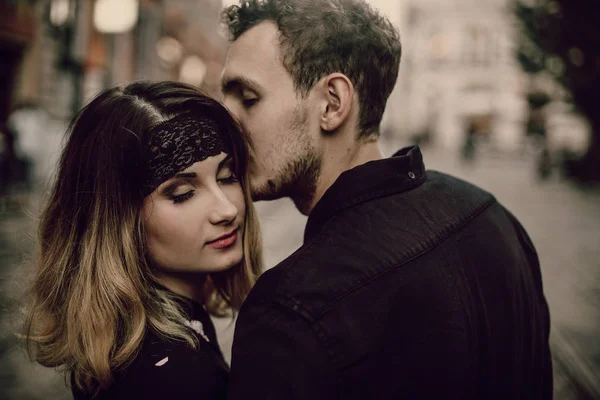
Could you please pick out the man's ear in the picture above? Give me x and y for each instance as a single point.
(339, 96)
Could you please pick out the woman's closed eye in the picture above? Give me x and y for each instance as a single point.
(180, 198)
(179, 192)
(226, 173)
(230, 178)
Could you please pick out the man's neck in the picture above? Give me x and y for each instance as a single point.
(337, 160)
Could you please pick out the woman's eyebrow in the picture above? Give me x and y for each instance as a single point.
(171, 183)
(185, 175)
(189, 175)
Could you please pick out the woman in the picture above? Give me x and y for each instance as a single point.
(149, 225)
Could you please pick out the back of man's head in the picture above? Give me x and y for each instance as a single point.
(319, 37)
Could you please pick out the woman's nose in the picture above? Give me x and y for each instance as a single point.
(223, 210)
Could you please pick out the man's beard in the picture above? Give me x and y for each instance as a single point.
(298, 178)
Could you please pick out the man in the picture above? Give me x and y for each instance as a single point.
(409, 284)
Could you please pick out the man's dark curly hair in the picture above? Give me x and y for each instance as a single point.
(319, 37)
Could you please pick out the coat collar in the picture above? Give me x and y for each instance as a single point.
(401, 172)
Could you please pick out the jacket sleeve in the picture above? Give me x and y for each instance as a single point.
(533, 259)
(536, 270)
(276, 355)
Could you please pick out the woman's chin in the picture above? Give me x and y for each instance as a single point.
(229, 261)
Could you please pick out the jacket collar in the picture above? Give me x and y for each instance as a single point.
(401, 172)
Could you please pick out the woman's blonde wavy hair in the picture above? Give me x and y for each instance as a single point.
(94, 295)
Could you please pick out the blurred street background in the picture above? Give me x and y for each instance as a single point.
(501, 93)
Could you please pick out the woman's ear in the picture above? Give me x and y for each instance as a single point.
(339, 96)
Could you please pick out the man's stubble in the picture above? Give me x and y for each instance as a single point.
(299, 175)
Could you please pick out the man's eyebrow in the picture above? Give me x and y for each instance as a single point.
(231, 84)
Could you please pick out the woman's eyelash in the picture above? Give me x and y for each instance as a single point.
(182, 197)
(231, 178)
(177, 199)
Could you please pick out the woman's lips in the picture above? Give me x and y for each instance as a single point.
(224, 241)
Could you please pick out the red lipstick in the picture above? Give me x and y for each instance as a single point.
(224, 241)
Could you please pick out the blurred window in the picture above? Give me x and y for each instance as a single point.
(479, 47)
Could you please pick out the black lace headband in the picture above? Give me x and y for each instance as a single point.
(177, 143)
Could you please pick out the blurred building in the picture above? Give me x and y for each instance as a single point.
(459, 70)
